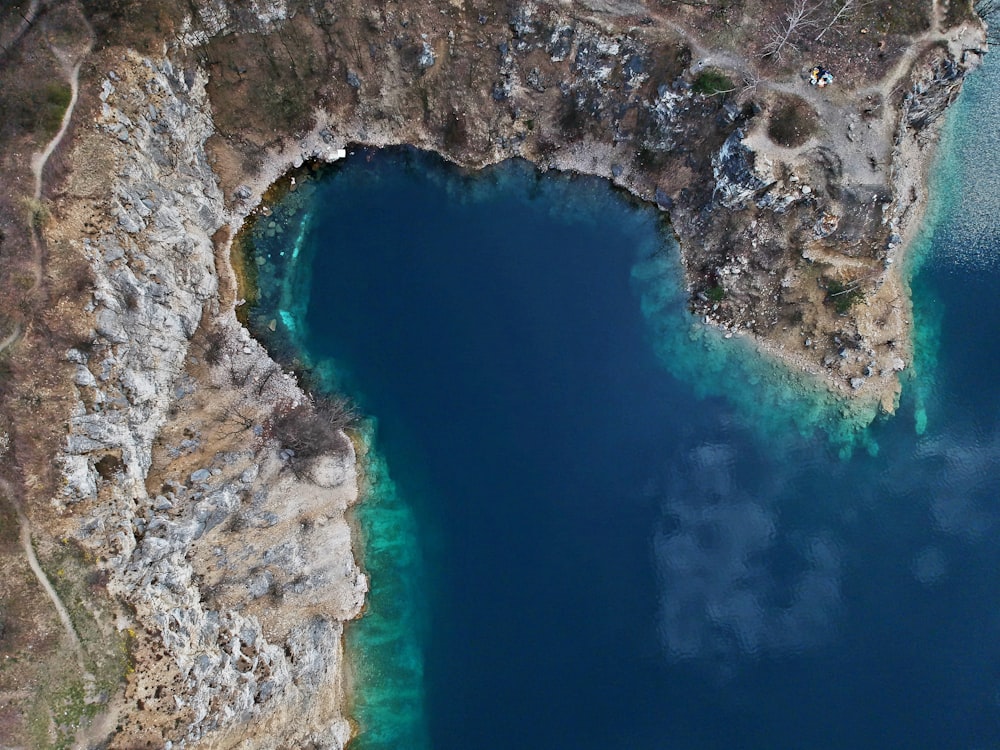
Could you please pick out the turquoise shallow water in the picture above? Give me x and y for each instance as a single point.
(592, 524)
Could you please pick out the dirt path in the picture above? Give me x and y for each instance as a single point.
(39, 160)
(863, 146)
(43, 580)
(11, 338)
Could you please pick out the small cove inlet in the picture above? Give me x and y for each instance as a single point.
(591, 523)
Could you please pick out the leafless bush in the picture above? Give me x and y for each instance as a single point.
(802, 18)
(261, 381)
(239, 371)
(238, 419)
(844, 13)
(311, 430)
(214, 346)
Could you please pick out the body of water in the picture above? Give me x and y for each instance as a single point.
(593, 524)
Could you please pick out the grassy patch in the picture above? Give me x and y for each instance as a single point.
(57, 99)
(716, 293)
(843, 296)
(65, 702)
(712, 81)
(59, 711)
(34, 107)
(37, 214)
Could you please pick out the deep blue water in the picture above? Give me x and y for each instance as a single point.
(593, 524)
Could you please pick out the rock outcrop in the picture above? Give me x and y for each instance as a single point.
(236, 577)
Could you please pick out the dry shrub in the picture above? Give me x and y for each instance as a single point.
(313, 429)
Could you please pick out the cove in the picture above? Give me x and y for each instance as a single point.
(590, 527)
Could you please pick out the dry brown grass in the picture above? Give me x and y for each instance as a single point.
(36, 393)
(265, 85)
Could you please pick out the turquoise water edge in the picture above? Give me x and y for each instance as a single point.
(590, 521)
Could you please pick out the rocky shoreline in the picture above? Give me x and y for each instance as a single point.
(200, 527)
(233, 574)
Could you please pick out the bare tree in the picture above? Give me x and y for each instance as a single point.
(751, 82)
(238, 419)
(846, 10)
(214, 346)
(312, 429)
(802, 18)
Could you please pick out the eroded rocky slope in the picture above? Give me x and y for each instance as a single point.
(226, 570)
(236, 576)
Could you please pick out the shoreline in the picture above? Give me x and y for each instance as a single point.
(202, 204)
(852, 408)
(272, 183)
(242, 252)
(876, 391)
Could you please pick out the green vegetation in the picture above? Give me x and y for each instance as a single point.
(34, 108)
(716, 293)
(59, 711)
(38, 213)
(69, 699)
(710, 82)
(843, 296)
(56, 100)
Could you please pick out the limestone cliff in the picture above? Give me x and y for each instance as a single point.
(236, 576)
(227, 568)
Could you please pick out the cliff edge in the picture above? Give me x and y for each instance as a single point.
(180, 573)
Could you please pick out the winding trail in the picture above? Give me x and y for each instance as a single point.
(11, 337)
(38, 162)
(40, 158)
(43, 580)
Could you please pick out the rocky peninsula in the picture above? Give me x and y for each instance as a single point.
(180, 571)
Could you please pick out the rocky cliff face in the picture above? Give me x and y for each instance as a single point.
(233, 574)
(236, 576)
(155, 265)
(786, 198)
